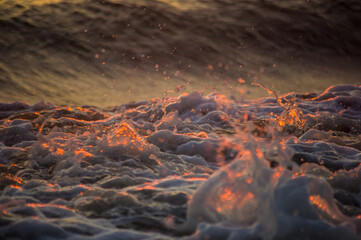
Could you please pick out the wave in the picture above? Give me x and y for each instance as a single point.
(111, 43)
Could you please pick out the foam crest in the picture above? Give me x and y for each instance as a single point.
(192, 167)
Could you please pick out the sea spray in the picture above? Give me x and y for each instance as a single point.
(247, 199)
(241, 193)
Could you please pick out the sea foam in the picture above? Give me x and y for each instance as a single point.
(192, 167)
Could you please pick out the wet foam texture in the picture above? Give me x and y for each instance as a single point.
(188, 167)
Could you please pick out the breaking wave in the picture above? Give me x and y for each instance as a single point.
(188, 167)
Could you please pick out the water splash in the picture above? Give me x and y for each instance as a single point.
(250, 198)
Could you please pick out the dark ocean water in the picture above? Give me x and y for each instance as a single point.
(111, 52)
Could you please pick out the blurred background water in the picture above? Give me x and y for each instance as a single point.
(105, 53)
